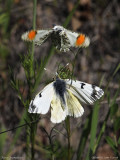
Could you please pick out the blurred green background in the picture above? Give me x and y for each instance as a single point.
(100, 62)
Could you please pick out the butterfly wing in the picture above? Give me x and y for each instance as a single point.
(58, 112)
(85, 92)
(37, 36)
(60, 41)
(41, 102)
(72, 36)
(77, 39)
(65, 43)
(74, 107)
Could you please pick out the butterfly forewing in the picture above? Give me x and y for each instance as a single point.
(42, 36)
(77, 39)
(72, 36)
(38, 36)
(86, 93)
(62, 38)
(41, 102)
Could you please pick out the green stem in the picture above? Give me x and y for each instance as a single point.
(71, 14)
(34, 24)
(30, 117)
(74, 61)
(53, 157)
(67, 122)
(32, 137)
(27, 143)
(34, 13)
(34, 27)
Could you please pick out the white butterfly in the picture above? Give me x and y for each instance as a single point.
(62, 38)
(64, 97)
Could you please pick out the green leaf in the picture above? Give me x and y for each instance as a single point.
(116, 70)
(108, 97)
(93, 130)
(111, 143)
(113, 109)
(84, 137)
(101, 132)
(71, 14)
(119, 140)
(2, 141)
(117, 124)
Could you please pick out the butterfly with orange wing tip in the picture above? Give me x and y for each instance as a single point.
(62, 38)
(64, 98)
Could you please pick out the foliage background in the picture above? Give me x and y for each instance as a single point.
(100, 20)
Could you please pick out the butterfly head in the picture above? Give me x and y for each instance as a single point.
(58, 29)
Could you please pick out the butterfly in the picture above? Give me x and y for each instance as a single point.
(64, 98)
(62, 38)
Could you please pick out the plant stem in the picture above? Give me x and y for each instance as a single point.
(71, 14)
(53, 157)
(32, 137)
(67, 122)
(33, 127)
(34, 24)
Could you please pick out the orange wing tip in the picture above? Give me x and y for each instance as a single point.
(29, 36)
(82, 41)
(32, 34)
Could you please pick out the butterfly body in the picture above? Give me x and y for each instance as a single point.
(62, 38)
(60, 88)
(64, 97)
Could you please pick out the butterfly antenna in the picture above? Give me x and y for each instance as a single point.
(50, 72)
(57, 75)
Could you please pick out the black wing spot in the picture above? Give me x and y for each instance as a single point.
(82, 84)
(40, 95)
(93, 86)
(33, 107)
(94, 93)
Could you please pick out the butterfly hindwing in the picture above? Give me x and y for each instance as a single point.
(74, 108)
(65, 43)
(58, 112)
